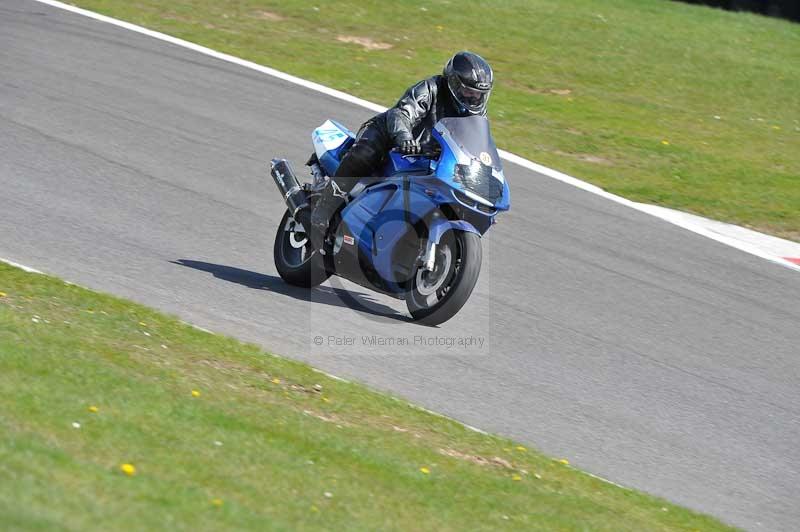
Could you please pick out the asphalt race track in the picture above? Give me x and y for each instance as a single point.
(639, 351)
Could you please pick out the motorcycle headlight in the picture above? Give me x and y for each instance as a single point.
(478, 179)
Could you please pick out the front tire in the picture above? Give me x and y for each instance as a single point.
(296, 263)
(437, 296)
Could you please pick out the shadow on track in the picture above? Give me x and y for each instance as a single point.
(326, 295)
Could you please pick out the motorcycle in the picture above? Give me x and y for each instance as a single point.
(412, 231)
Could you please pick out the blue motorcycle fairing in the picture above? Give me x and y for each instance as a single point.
(398, 163)
(382, 220)
(439, 226)
(385, 222)
(446, 166)
(331, 140)
(383, 227)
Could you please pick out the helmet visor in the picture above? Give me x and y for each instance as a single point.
(471, 98)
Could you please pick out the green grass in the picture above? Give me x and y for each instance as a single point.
(591, 88)
(258, 448)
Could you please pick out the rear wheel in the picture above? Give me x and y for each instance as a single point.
(295, 261)
(438, 295)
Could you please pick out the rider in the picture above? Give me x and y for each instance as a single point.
(463, 89)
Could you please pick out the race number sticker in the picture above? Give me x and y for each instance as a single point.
(486, 158)
(348, 240)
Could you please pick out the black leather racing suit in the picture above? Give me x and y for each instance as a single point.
(412, 117)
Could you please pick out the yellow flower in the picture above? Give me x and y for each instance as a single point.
(665, 142)
(217, 502)
(564, 461)
(128, 469)
(326, 399)
(516, 478)
(439, 28)
(276, 380)
(3, 294)
(521, 448)
(425, 470)
(93, 409)
(195, 393)
(143, 324)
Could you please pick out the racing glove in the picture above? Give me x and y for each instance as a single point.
(410, 147)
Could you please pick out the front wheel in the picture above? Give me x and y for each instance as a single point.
(438, 295)
(294, 260)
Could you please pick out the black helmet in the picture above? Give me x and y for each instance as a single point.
(469, 78)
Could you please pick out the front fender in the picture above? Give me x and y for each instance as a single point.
(440, 226)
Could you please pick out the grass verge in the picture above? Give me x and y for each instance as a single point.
(221, 435)
(663, 102)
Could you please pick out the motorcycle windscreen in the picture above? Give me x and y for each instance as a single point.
(472, 135)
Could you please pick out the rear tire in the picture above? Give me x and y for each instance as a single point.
(296, 263)
(437, 296)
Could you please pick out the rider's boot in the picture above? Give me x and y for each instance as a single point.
(329, 200)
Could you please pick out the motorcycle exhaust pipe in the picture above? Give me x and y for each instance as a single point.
(288, 185)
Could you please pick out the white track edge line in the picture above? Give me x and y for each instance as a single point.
(513, 158)
(20, 266)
